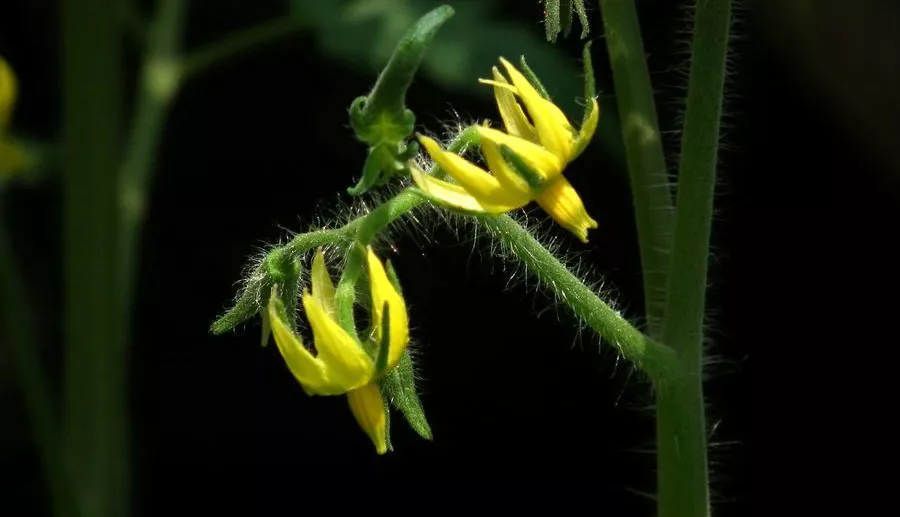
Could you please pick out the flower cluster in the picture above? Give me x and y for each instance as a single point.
(342, 364)
(525, 162)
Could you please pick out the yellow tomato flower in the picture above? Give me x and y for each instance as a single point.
(13, 157)
(342, 365)
(545, 147)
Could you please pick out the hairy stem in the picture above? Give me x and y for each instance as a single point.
(363, 230)
(683, 479)
(650, 188)
(650, 356)
(653, 358)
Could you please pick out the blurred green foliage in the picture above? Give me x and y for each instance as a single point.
(364, 32)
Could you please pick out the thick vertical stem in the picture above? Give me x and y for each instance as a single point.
(682, 476)
(95, 404)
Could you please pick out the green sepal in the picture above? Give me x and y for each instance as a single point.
(582, 18)
(392, 276)
(266, 328)
(285, 270)
(534, 179)
(277, 267)
(551, 19)
(590, 86)
(384, 347)
(533, 78)
(400, 387)
(387, 418)
(378, 160)
(559, 16)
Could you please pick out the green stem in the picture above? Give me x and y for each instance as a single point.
(238, 43)
(651, 191)
(95, 405)
(156, 90)
(683, 479)
(653, 358)
(18, 323)
(362, 231)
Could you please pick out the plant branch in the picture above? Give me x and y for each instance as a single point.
(683, 479)
(234, 45)
(654, 359)
(650, 188)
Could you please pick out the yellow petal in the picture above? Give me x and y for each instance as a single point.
(322, 286)
(587, 130)
(347, 365)
(454, 195)
(308, 370)
(502, 171)
(9, 88)
(561, 201)
(540, 159)
(384, 292)
(553, 128)
(476, 181)
(368, 409)
(514, 118)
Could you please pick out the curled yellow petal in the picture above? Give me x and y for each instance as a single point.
(503, 172)
(561, 201)
(587, 130)
(455, 196)
(322, 286)
(368, 408)
(308, 370)
(347, 365)
(514, 119)
(553, 128)
(539, 158)
(476, 181)
(384, 292)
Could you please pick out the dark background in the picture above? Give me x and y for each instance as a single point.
(262, 147)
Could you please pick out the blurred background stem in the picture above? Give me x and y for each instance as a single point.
(105, 205)
(94, 415)
(17, 322)
(650, 188)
